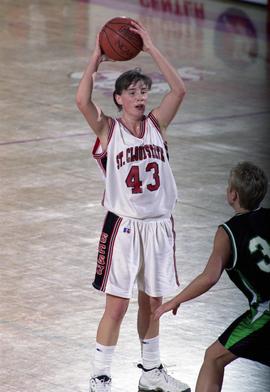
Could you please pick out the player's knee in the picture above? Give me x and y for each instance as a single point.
(117, 313)
(210, 355)
(150, 304)
(218, 359)
(154, 303)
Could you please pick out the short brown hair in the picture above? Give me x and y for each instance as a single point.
(250, 182)
(128, 78)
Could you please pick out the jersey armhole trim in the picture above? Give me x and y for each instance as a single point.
(112, 123)
(234, 248)
(97, 151)
(155, 122)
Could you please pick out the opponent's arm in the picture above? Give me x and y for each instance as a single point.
(172, 100)
(218, 260)
(97, 120)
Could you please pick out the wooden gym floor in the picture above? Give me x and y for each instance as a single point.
(51, 188)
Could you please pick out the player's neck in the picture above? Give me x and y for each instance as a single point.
(239, 210)
(234, 201)
(132, 124)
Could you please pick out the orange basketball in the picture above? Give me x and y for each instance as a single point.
(117, 41)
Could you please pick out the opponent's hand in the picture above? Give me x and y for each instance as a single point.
(166, 307)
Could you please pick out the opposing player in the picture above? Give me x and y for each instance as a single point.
(242, 248)
(138, 241)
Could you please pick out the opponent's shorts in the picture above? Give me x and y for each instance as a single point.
(249, 336)
(139, 251)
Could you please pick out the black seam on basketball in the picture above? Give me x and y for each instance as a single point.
(102, 32)
(122, 36)
(113, 49)
(120, 22)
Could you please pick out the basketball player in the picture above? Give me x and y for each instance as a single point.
(242, 248)
(137, 242)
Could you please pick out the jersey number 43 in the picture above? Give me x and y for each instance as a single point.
(134, 182)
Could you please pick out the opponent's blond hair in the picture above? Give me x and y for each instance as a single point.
(250, 182)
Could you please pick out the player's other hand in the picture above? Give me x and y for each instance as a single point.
(166, 307)
(141, 30)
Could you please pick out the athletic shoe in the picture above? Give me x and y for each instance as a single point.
(158, 380)
(100, 384)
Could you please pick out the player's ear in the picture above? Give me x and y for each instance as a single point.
(235, 195)
(118, 99)
(238, 197)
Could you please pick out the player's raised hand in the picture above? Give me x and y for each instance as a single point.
(166, 307)
(145, 36)
(98, 52)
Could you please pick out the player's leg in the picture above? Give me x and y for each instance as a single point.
(157, 278)
(211, 374)
(112, 267)
(109, 326)
(147, 327)
(148, 330)
(107, 337)
(154, 376)
(117, 267)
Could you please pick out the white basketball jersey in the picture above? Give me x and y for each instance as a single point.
(139, 182)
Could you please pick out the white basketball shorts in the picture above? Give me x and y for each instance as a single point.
(139, 251)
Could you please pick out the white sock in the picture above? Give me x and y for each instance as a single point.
(102, 360)
(150, 352)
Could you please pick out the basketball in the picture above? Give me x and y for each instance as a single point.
(117, 41)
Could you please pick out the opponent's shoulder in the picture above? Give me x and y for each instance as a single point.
(256, 220)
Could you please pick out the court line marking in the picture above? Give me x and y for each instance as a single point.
(41, 139)
(210, 119)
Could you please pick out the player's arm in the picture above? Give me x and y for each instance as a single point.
(172, 100)
(218, 260)
(97, 120)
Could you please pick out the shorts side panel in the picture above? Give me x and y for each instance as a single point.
(249, 338)
(122, 256)
(105, 250)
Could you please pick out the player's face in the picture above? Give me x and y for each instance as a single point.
(134, 99)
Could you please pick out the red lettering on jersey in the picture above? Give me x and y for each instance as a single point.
(161, 154)
(134, 154)
(128, 155)
(140, 153)
(147, 150)
(119, 160)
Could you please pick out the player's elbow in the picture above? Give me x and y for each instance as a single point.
(180, 91)
(210, 279)
(80, 102)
